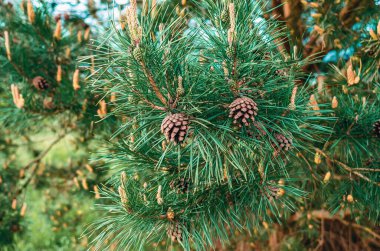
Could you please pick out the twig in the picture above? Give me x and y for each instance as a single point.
(153, 83)
(347, 168)
(365, 169)
(323, 214)
(309, 166)
(148, 102)
(20, 71)
(37, 160)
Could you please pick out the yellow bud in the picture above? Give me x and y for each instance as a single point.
(123, 195)
(352, 77)
(89, 168)
(23, 209)
(96, 190)
(7, 45)
(350, 198)
(313, 5)
(170, 214)
(334, 102)
(84, 184)
(59, 74)
(30, 11)
(337, 43)
(327, 177)
(14, 204)
(153, 11)
(318, 29)
(79, 36)
(280, 192)
(102, 111)
(316, 15)
(163, 144)
(76, 85)
(314, 103)
(113, 97)
(317, 158)
(123, 178)
(58, 30)
(67, 52)
(373, 34)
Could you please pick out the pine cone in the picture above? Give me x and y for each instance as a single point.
(175, 231)
(175, 127)
(243, 109)
(376, 128)
(40, 83)
(137, 53)
(224, 16)
(283, 143)
(230, 51)
(182, 185)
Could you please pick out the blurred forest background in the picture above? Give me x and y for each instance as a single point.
(49, 171)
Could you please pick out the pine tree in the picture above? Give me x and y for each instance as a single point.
(234, 124)
(44, 99)
(350, 156)
(219, 106)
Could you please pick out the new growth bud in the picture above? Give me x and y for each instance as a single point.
(30, 11)
(58, 30)
(18, 100)
(7, 45)
(135, 30)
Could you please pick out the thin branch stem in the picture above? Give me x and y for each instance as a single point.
(347, 168)
(19, 70)
(325, 215)
(37, 160)
(153, 83)
(308, 165)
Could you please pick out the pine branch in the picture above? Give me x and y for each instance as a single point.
(37, 160)
(325, 215)
(152, 82)
(348, 169)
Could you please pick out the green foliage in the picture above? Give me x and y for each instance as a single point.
(33, 158)
(234, 171)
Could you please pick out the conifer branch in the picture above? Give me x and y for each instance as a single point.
(323, 214)
(153, 83)
(44, 152)
(37, 160)
(347, 168)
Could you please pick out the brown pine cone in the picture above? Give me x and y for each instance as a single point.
(181, 185)
(175, 127)
(40, 83)
(283, 143)
(243, 109)
(376, 128)
(175, 231)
